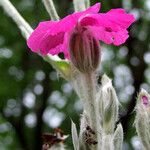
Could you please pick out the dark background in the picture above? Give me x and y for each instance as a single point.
(34, 100)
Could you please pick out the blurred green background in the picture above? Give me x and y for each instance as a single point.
(34, 99)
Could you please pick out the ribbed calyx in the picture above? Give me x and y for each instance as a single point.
(84, 50)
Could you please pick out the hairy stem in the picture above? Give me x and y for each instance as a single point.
(79, 5)
(84, 85)
(17, 18)
(90, 92)
(49, 5)
(26, 31)
(87, 3)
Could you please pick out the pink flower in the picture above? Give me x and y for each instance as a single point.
(53, 36)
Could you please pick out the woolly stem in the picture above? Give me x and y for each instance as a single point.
(87, 3)
(79, 5)
(49, 5)
(17, 18)
(84, 87)
(26, 31)
(90, 92)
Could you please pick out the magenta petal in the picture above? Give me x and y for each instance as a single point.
(114, 19)
(69, 22)
(56, 50)
(120, 37)
(62, 47)
(88, 21)
(94, 9)
(53, 36)
(110, 27)
(116, 38)
(120, 17)
(48, 37)
(117, 10)
(38, 34)
(42, 41)
(51, 42)
(101, 34)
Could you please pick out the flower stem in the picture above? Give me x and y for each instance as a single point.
(84, 84)
(17, 18)
(26, 31)
(79, 5)
(90, 92)
(87, 3)
(49, 5)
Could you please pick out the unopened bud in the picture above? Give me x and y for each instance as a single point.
(143, 98)
(110, 105)
(84, 50)
(142, 118)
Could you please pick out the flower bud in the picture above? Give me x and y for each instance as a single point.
(110, 105)
(143, 98)
(142, 118)
(84, 50)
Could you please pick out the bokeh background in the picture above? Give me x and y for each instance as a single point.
(34, 99)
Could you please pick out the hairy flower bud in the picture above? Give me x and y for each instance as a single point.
(109, 104)
(142, 118)
(143, 98)
(84, 50)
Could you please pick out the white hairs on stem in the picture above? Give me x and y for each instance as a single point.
(49, 5)
(17, 18)
(26, 31)
(79, 5)
(87, 3)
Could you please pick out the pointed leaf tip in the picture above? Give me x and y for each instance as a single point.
(75, 137)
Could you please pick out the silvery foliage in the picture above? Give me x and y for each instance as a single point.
(142, 120)
(100, 103)
(100, 114)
